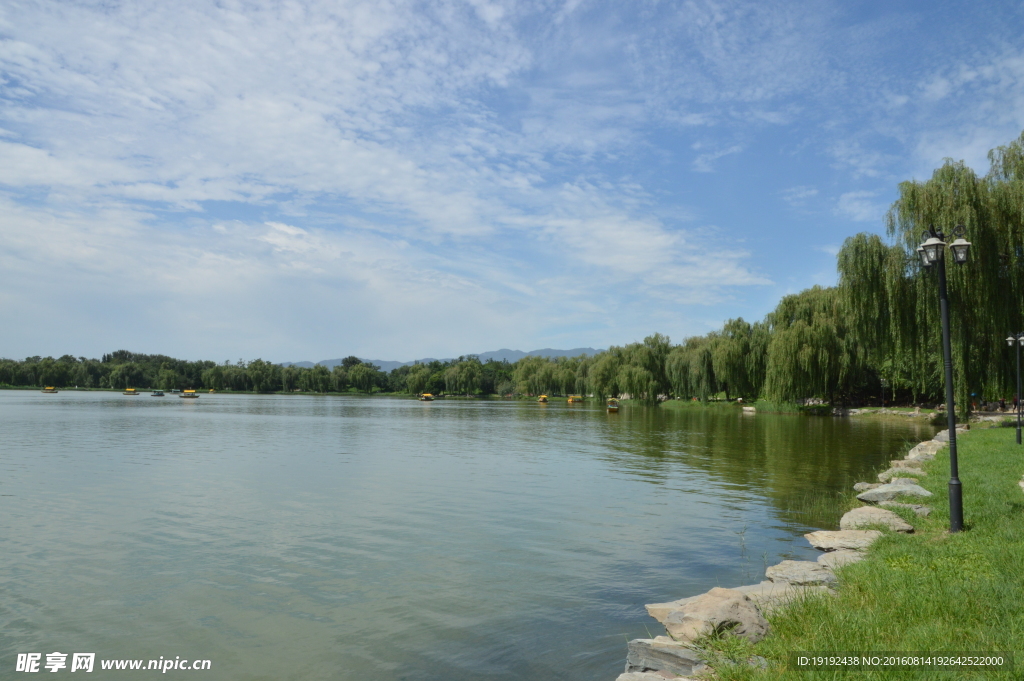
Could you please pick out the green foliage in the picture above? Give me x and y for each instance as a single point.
(893, 302)
(463, 377)
(812, 351)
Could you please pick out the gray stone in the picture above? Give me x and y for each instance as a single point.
(645, 676)
(891, 491)
(925, 451)
(766, 595)
(943, 435)
(717, 611)
(647, 655)
(660, 611)
(866, 516)
(835, 559)
(833, 540)
(865, 486)
(904, 481)
(801, 573)
(770, 595)
(916, 508)
(890, 474)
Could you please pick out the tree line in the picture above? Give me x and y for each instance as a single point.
(123, 369)
(877, 332)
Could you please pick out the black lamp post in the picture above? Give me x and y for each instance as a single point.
(1017, 340)
(932, 252)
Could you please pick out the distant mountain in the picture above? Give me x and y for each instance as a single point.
(497, 355)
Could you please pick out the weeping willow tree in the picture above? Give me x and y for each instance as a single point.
(893, 302)
(637, 369)
(690, 368)
(730, 349)
(812, 351)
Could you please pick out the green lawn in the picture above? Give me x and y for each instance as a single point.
(930, 591)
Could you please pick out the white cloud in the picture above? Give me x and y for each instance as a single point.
(798, 196)
(860, 206)
(508, 153)
(703, 162)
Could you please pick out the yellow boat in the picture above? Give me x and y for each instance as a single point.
(613, 405)
(49, 389)
(542, 399)
(189, 393)
(426, 397)
(131, 391)
(575, 398)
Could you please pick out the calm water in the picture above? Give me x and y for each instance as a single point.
(290, 537)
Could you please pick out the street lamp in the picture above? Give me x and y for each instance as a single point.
(1017, 340)
(932, 253)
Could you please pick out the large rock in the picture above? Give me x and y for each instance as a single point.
(717, 611)
(801, 573)
(943, 435)
(833, 540)
(890, 474)
(644, 676)
(866, 516)
(766, 595)
(660, 611)
(865, 486)
(891, 491)
(770, 595)
(925, 451)
(836, 559)
(661, 654)
(916, 508)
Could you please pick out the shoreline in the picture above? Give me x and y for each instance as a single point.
(694, 621)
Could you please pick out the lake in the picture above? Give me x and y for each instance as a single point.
(322, 537)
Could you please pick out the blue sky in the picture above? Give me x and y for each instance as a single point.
(393, 179)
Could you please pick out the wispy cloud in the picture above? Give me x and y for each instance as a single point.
(703, 162)
(860, 206)
(509, 154)
(799, 196)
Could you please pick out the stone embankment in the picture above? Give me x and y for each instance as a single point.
(741, 611)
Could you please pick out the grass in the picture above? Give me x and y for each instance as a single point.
(820, 507)
(931, 591)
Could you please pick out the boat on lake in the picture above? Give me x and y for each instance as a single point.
(131, 391)
(49, 389)
(575, 398)
(189, 393)
(157, 393)
(542, 399)
(613, 405)
(426, 397)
